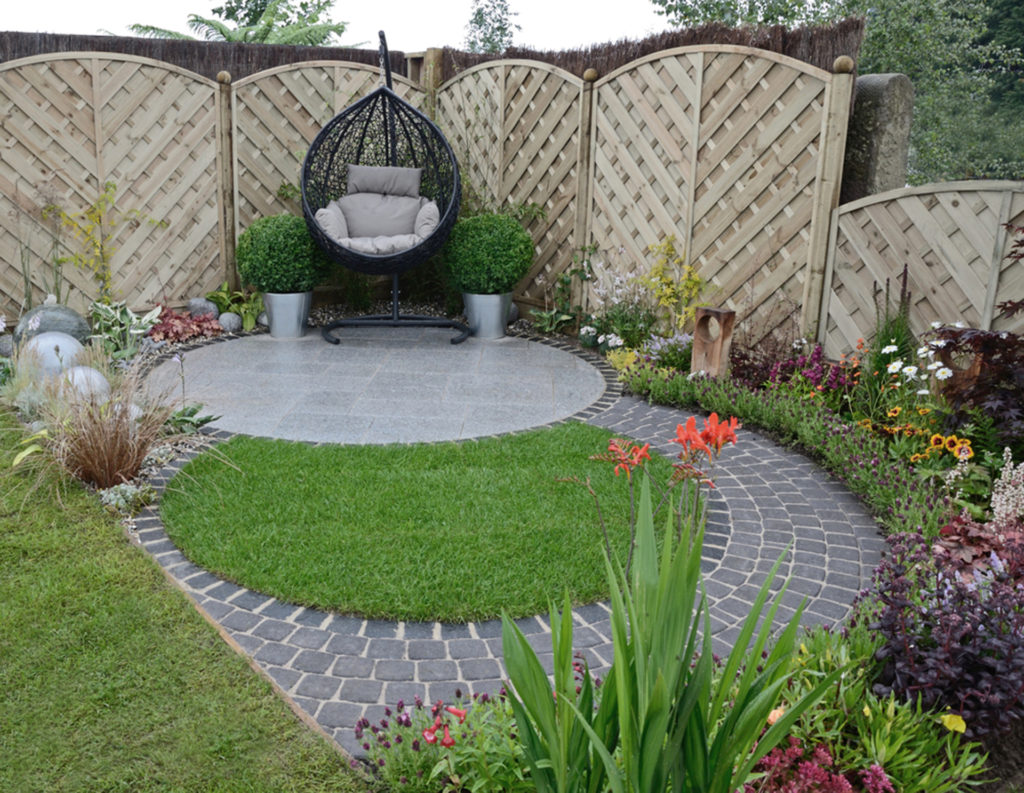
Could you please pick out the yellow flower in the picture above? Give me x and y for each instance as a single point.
(865, 423)
(963, 451)
(916, 458)
(867, 711)
(894, 412)
(937, 441)
(952, 442)
(953, 722)
(923, 411)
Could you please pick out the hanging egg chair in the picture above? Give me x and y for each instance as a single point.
(380, 194)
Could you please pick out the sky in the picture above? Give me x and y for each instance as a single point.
(410, 25)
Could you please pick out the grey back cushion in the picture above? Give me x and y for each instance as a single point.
(384, 179)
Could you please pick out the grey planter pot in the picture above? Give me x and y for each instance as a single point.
(487, 315)
(287, 313)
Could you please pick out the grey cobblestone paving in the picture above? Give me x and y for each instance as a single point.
(340, 668)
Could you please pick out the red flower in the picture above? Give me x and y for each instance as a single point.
(458, 713)
(716, 434)
(430, 734)
(690, 439)
(626, 461)
(447, 741)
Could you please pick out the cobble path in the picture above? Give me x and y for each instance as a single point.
(767, 499)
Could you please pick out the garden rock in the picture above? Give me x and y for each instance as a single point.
(52, 318)
(262, 319)
(230, 321)
(54, 351)
(6, 345)
(200, 306)
(85, 383)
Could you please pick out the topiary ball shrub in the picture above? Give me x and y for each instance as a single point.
(277, 254)
(488, 254)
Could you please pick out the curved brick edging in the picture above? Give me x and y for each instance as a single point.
(340, 668)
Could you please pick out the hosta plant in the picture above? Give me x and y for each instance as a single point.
(118, 329)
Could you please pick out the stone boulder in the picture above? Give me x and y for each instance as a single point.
(200, 306)
(52, 318)
(85, 383)
(6, 345)
(230, 321)
(54, 351)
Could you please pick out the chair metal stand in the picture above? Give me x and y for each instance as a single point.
(396, 320)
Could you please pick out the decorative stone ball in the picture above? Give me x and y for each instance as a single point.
(56, 318)
(54, 351)
(85, 383)
(200, 306)
(590, 75)
(6, 345)
(230, 321)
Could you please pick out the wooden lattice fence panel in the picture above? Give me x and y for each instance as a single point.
(723, 149)
(515, 127)
(540, 164)
(76, 121)
(278, 112)
(470, 113)
(952, 241)
(644, 128)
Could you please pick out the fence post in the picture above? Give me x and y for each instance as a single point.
(584, 159)
(226, 178)
(829, 182)
(431, 75)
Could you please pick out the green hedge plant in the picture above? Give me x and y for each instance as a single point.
(488, 254)
(277, 254)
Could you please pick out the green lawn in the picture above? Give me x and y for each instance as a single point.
(111, 681)
(448, 531)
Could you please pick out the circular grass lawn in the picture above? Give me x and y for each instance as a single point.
(445, 531)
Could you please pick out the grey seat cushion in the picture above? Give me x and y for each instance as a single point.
(382, 213)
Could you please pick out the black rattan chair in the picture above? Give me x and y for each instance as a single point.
(382, 129)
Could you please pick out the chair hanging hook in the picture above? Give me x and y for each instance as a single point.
(384, 60)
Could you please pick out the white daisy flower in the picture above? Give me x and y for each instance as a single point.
(944, 373)
(894, 367)
(923, 352)
(938, 344)
(922, 392)
(889, 349)
(910, 372)
(933, 366)
(936, 325)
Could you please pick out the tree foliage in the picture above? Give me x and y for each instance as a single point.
(259, 22)
(490, 27)
(963, 57)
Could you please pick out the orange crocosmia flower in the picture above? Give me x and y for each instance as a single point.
(688, 437)
(627, 461)
(638, 454)
(716, 434)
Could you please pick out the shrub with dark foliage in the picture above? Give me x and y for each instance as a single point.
(955, 641)
(998, 388)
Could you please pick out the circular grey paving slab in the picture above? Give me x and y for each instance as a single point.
(381, 385)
